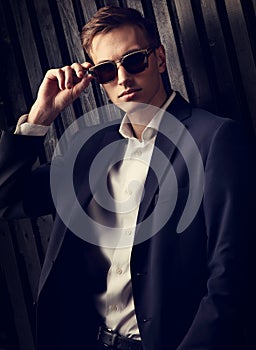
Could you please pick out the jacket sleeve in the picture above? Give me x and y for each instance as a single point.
(229, 197)
(23, 192)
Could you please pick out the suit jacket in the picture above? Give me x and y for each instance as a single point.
(191, 278)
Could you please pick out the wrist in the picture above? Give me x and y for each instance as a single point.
(25, 128)
(40, 116)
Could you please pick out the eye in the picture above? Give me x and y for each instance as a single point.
(135, 63)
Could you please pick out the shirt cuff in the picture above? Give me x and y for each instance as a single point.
(25, 128)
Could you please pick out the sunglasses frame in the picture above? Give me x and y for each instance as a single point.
(146, 52)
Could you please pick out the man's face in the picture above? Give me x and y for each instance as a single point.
(144, 87)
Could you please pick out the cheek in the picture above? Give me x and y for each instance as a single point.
(152, 73)
(109, 90)
(152, 79)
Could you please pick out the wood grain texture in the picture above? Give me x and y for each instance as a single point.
(14, 102)
(243, 52)
(219, 69)
(167, 35)
(27, 44)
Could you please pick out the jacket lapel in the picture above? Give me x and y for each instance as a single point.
(170, 133)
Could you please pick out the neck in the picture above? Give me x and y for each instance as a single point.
(140, 117)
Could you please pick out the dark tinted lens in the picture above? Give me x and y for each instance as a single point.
(105, 72)
(135, 63)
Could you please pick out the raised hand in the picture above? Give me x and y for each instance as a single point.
(59, 88)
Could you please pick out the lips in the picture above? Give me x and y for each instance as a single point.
(128, 92)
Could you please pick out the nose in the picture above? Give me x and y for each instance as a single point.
(122, 75)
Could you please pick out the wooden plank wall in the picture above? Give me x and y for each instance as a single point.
(211, 53)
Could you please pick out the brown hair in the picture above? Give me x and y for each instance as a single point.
(112, 17)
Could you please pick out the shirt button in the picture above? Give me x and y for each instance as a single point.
(113, 307)
(138, 153)
(128, 232)
(128, 191)
(119, 271)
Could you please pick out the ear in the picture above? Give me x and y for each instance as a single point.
(161, 59)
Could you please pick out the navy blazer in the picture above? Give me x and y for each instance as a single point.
(192, 287)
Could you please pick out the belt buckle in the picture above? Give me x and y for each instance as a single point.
(114, 338)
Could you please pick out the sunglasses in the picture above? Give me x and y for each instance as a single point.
(134, 62)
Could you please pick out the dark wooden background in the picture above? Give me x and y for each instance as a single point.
(211, 53)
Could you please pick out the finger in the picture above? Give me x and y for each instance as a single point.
(56, 75)
(79, 70)
(87, 65)
(68, 71)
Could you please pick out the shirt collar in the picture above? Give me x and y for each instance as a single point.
(151, 129)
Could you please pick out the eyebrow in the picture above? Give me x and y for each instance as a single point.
(126, 53)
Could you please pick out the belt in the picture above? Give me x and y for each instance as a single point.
(113, 340)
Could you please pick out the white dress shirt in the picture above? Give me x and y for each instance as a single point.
(116, 304)
(126, 183)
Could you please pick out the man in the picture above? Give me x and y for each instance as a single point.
(167, 270)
